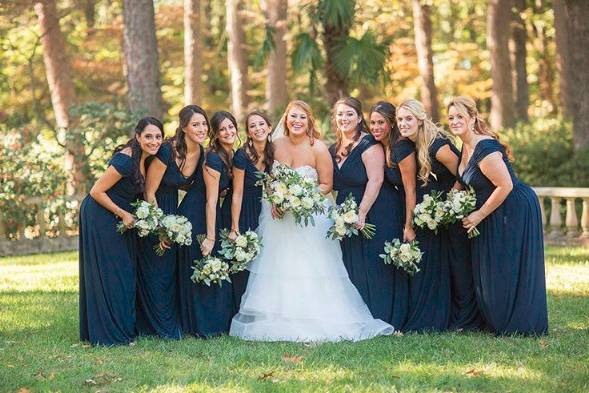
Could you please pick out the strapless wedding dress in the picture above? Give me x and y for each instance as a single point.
(298, 287)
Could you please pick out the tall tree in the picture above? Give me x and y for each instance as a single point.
(578, 14)
(141, 57)
(61, 87)
(423, 43)
(502, 114)
(276, 95)
(544, 58)
(237, 58)
(562, 48)
(192, 52)
(519, 37)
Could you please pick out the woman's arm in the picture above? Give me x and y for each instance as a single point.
(408, 168)
(238, 181)
(450, 160)
(155, 174)
(211, 178)
(324, 167)
(496, 171)
(373, 159)
(110, 177)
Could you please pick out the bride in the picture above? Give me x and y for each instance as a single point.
(298, 287)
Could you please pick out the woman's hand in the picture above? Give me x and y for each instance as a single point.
(408, 234)
(361, 221)
(233, 234)
(164, 244)
(207, 246)
(128, 219)
(276, 212)
(472, 220)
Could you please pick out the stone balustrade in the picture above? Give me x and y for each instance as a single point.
(51, 225)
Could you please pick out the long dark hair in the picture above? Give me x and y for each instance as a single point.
(249, 148)
(362, 127)
(389, 112)
(215, 144)
(179, 139)
(136, 151)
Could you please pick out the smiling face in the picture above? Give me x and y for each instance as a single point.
(460, 122)
(150, 139)
(197, 128)
(346, 118)
(257, 128)
(297, 121)
(227, 132)
(408, 123)
(379, 126)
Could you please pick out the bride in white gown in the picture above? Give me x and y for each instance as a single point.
(298, 287)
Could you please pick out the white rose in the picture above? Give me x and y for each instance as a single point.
(307, 202)
(339, 221)
(295, 189)
(241, 241)
(295, 202)
(240, 255)
(142, 212)
(350, 217)
(279, 187)
(340, 230)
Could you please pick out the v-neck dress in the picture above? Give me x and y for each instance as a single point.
(508, 255)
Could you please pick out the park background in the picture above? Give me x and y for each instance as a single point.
(76, 75)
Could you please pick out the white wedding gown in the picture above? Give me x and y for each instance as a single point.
(298, 287)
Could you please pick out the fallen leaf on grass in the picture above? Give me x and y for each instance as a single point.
(24, 390)
(103, 379)
(544, 344)
(292, 358)
(266, 376)
(473, 372)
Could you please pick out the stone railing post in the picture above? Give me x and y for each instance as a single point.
(40, 218)
(555, 220)
(571, 221)
(585, 218)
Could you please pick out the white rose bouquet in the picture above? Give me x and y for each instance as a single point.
(173, 229)
(404, 256)
(345, 217)
(290, 192)
(147, 221)
(430, 212)
(241, 251)
(459, 204)
(209, 270)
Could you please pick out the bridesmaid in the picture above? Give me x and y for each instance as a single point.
(207, 310)
(173, 168)
(429, 289)
(256, 155)
(398, 187)
(508, 255)
(358, 164)
(107, 258)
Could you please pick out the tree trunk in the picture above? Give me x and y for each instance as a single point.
(423, 43)
(518, 53)
(90, 15)
(141, 58)
(192, 52)
(502, 114)
(276, 95)
(578, 13)
(336, 85)
(61, 87)
(563, 59)
(237, 59)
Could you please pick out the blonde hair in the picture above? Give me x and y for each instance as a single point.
(466, 106)
(427, 132)
(312, 131)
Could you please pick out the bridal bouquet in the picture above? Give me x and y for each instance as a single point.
(459, 204)
(241, 251)
(290, 192)
(148, 218)
(345, 217)
(430, 212)
(404, 256)
(173, 229)
(209, 270)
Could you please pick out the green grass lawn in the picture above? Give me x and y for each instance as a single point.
(40, 351)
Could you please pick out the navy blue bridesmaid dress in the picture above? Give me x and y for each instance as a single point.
(251, 206)
(204, 311)
(392, 213)
(157, 308)
(373, 279)
(508, 255)
(430, 301)
(108, 263)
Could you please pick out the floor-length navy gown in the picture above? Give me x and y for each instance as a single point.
(508, 255)
(108, 263)
(249, 216)
(392, 211)
(372, 278)
(204, 310)
(157, 306)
